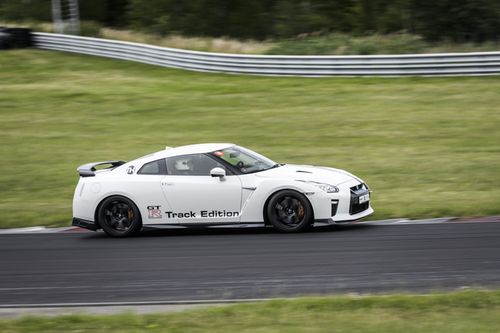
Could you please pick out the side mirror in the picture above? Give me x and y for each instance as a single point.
(218, 172)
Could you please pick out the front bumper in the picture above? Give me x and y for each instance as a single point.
(344, 218)
(84, 224)
(353, 202)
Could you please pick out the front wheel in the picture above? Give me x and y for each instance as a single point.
(119, 217)
(289, 211)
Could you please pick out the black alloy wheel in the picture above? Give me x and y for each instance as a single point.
(119, 217)
(289, 211)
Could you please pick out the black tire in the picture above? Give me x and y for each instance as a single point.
(289, 211)
(119, 217)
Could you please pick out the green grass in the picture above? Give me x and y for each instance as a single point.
(344, 44)
(472, 311)
(427, 146)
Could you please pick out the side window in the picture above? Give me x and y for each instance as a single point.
(158, 167)
(192, 165)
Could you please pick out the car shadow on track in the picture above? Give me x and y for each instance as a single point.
(230, 230)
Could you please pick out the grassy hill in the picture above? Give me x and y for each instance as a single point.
(427, 146)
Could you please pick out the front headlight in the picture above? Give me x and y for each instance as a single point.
(325, 187)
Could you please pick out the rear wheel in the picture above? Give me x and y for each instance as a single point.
(289, 211)
(119, 217)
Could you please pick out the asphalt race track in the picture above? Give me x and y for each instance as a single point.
(220, 264)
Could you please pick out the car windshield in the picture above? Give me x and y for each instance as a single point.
(245, 160)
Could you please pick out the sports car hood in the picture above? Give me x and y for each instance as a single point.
(309, 173)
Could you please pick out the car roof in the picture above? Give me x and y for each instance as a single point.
(191, 149)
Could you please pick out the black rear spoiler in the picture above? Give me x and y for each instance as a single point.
(88, 170)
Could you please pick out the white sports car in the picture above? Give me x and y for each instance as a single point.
(214, 184)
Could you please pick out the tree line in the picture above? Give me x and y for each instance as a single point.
(456, 20)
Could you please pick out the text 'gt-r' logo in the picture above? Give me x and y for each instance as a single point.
(154, 212)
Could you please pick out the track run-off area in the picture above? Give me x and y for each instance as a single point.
(176, 266)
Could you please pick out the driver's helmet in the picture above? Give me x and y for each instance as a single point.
(184, 164)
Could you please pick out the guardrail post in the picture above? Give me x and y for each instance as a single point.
(57, 17)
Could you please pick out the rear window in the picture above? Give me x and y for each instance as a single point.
(158, 167)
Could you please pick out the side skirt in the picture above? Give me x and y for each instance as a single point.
(84, 224)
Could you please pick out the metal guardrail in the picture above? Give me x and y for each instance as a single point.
(443, 64)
